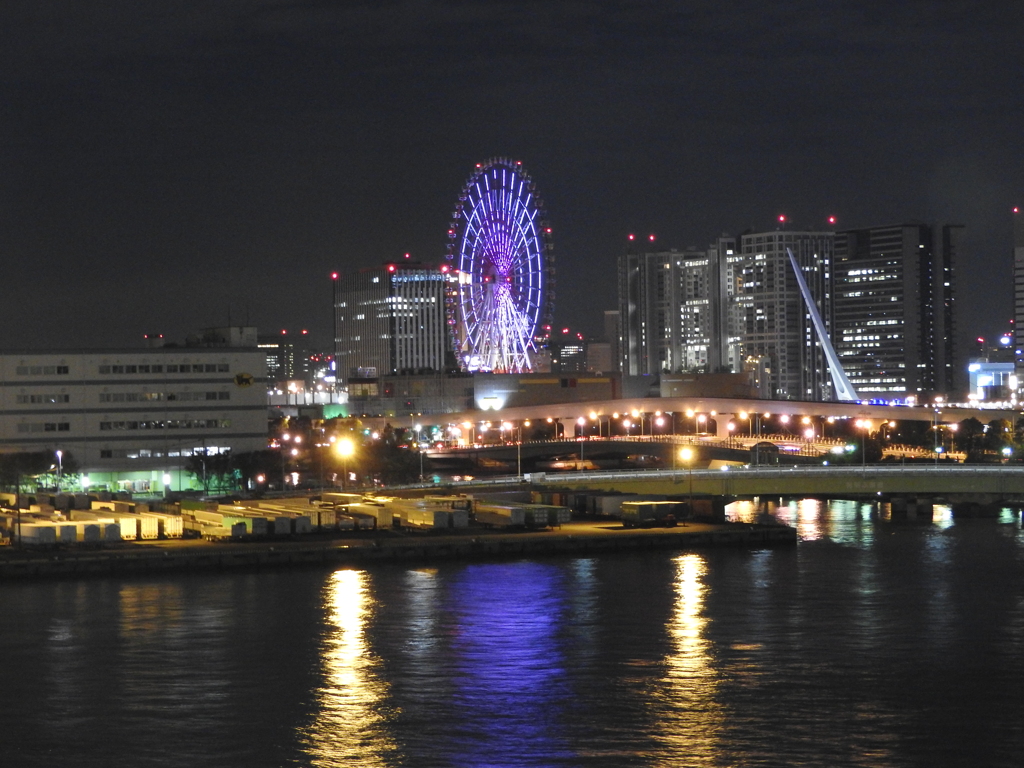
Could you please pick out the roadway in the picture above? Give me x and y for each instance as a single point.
(744, 414)
(953, 482)
(616, 452)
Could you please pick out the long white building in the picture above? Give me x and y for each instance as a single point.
(132, 417)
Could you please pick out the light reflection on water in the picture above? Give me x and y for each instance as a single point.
(509, 683)
(350, 727)
(846, 521)
(689, 712)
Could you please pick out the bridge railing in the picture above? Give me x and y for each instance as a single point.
(871, 470)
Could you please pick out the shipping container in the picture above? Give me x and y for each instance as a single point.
(38, 533)
(500, 515)
(646, 514)
(169, 526)
(417, 517)
(544, 515)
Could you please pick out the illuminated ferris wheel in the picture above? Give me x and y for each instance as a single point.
(500, 295)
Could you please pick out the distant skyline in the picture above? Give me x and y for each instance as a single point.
(172, 167)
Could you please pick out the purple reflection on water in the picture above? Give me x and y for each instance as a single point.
(509, 683)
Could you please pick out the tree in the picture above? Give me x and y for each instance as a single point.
(15, 467)
(997, 435)
(390, 462)
(212, 470)
(250, 464)
(969, 438)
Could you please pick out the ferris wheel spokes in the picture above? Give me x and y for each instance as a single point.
(500, 299)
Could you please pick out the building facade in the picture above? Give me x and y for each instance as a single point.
(895, 311)
(132, 418)
(389, 320)
(283, 363)
(767, 319)
(1018, 290)
(665, 311)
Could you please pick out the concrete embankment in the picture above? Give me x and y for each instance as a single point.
(197, 556)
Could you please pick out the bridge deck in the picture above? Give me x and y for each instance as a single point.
(943, 481)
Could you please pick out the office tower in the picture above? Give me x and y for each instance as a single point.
(1018, 290)
(613, 335)
(665, 311)
(725, 353)
(894, 309)
(775, 333)
(280, 352)
(390, 319)
(568, 350)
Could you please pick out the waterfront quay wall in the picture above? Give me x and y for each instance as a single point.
(205, 556)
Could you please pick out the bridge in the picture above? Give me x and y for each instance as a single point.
(953, 484)
(658, 451)
(674, 415)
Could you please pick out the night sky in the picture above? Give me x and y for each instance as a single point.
(170, 166)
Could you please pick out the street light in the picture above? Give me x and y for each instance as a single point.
(60, 468)
(639, 415)
(419, 448)
(686, 454)
(864, 425)
(345, 448)
(519, 439)
(519, 449)
(284, 459)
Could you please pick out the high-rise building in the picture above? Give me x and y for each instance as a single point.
(568, 350)
(1018, 290)
(772, 325)
(725, 353)
(894, 309)
(665, 311)
(280, 352)
(390, 319)
(613, 335)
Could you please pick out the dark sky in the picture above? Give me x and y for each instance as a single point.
(166, 166)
